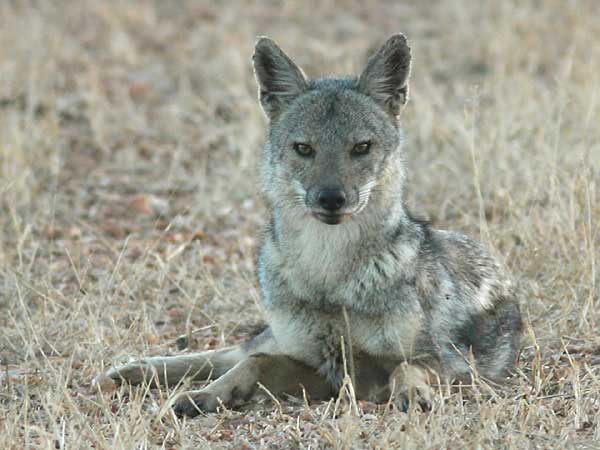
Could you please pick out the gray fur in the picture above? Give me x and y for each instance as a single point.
(432, 299)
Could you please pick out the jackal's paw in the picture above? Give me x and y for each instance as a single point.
(410, 385)
(417, 396)
(192, 403)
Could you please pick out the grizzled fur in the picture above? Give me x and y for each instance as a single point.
(412, 302)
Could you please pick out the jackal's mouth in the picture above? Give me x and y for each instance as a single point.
(329, 218)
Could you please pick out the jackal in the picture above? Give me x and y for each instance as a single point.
(344, 265)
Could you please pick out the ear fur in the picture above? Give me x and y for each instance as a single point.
(279, 80)
(385, 79)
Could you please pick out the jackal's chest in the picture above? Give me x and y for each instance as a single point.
(338, 268)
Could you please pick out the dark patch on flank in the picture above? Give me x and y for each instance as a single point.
(483, 332)
(469, 275)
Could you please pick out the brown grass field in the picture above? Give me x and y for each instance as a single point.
(130, 139)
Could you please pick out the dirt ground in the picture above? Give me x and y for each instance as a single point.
(130, 140)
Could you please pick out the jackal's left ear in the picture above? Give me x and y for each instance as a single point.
(279, 80)
(385, 79)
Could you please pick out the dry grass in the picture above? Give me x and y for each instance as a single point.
(129, 142)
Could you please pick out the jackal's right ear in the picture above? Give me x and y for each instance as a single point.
(279, 80)
(385, 79)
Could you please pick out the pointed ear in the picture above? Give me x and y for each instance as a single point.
(385, 79)
(279, 80)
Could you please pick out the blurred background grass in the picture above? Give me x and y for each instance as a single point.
(130, 142)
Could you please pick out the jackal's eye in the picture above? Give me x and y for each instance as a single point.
(362, 148)
(304, 149)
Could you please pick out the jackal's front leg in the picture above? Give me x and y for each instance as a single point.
(211, 364)
(277, 373)
(170, 370)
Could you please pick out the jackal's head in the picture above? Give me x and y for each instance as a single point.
(331, 141)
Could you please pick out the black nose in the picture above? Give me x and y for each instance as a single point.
(331, 199)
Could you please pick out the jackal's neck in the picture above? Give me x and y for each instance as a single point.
(341, 265)
(308, 242)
